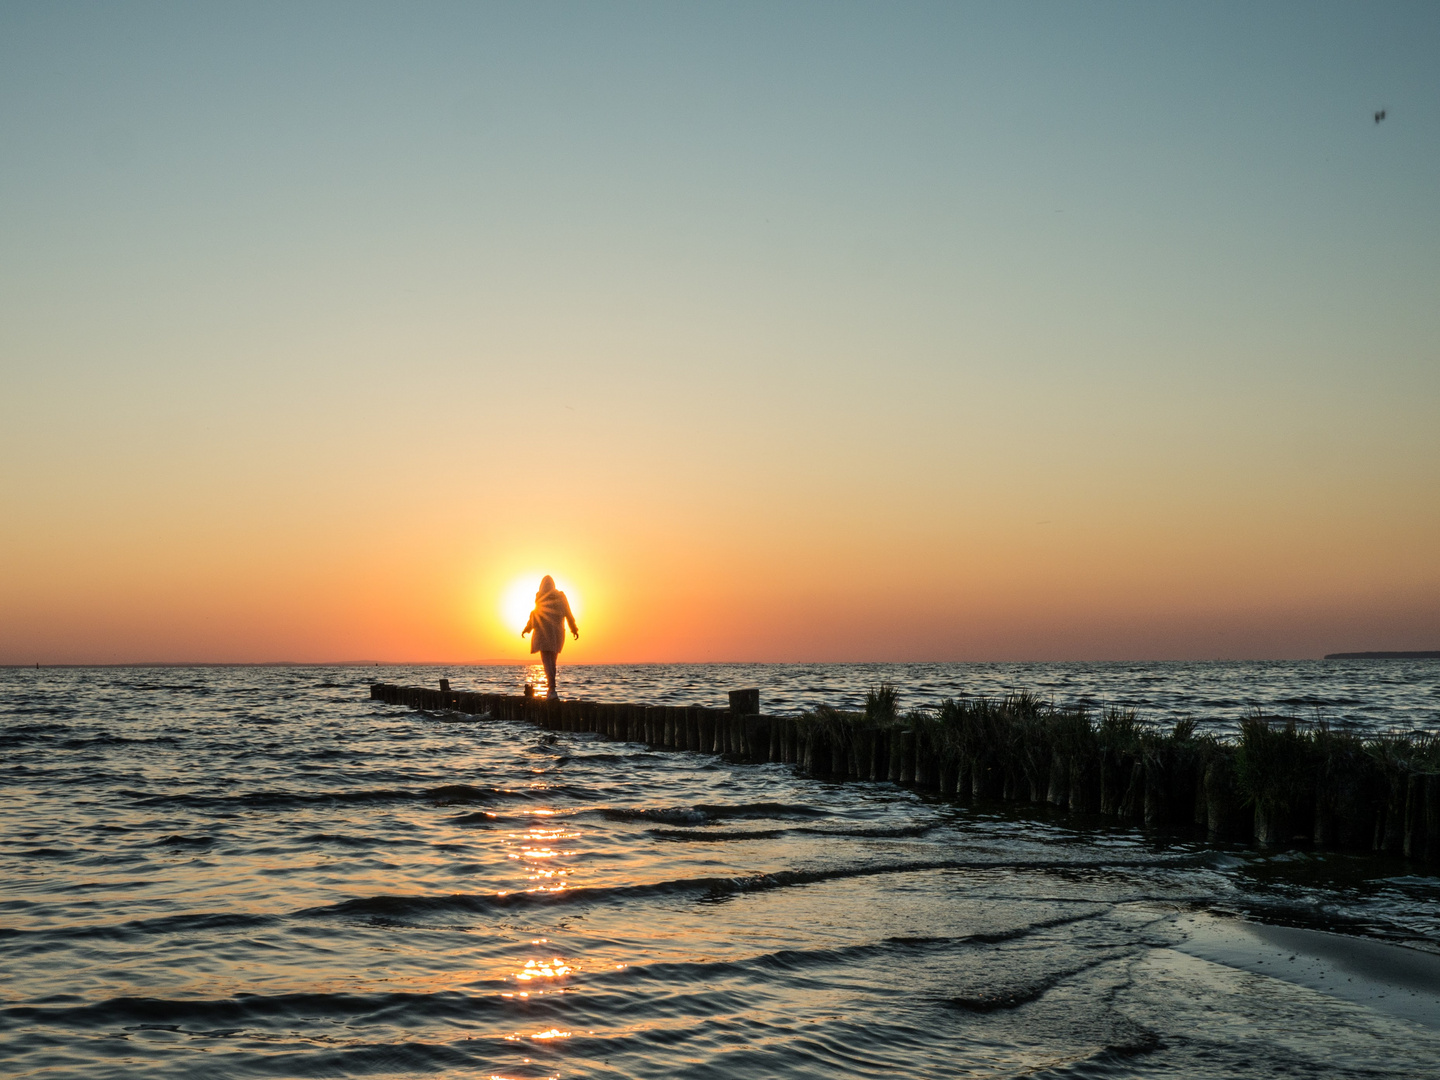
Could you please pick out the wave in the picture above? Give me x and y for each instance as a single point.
(670, 815)
(703, 813)
(445, 795)
(33, 732)
(177, 840)
(871, 831)
(225, 1016)
(1023, 993)
(716, 835)
(107, 739)
(800, 959)
(342, 840)
(477, 820)
(139, 928)
(404, 908)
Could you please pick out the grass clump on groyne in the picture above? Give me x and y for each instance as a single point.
(1279, 782)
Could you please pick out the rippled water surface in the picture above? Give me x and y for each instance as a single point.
(1368, 694)
(259, 872)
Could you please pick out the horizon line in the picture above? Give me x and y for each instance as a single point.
(501, 662)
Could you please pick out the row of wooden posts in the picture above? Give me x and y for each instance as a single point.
(1186, 784)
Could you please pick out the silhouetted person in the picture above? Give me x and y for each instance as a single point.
(552, 612)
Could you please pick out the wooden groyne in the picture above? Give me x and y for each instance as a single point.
(1278, 784)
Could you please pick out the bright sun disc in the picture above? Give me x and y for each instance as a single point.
(519, 599)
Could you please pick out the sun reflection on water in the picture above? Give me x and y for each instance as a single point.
(544, 969)
(553, 1033)
(538, 847)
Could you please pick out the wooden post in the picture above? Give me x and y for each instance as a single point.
(839, 755)
(1132, 806)
(1157, 791)
(980, 785)
(757, 738)
(862, 755)
(879, 754)
(1084, 795)
(1391, 828)
(927, 761)
(745, 702)
(907, 757)
(816, 750)
(1222, 800)
(949, 775)
(1415, 816)
(964, 781)
(1272, 826)
(1432, 817)
(1058, 793)
(735, 734)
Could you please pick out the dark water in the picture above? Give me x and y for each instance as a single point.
(1372, 696)
(259, 872)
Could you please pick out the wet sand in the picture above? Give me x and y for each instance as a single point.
(1391, 979)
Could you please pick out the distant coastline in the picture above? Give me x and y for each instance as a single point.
(1432, 654)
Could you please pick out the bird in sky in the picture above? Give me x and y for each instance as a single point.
(1380, 116)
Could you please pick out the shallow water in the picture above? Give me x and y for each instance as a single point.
(259, 872)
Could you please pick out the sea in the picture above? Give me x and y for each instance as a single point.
(259, 872)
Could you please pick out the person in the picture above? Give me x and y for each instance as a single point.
(552, 612)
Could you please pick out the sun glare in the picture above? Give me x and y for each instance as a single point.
(519, 598)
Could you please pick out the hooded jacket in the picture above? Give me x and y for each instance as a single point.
(547, 621)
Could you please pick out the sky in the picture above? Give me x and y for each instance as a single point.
(791, 332)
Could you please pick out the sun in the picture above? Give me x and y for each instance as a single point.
(518, 598)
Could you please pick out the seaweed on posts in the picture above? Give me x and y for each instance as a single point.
(1118, 741)
(1398, 757)
(1275, 770)
(881, 702)
(1073, 762)
(1034, 751)
(1347, 785)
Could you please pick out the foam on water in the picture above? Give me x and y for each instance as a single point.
(260, 872)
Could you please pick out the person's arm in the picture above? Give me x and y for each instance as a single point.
(571, 620)
(529, 624)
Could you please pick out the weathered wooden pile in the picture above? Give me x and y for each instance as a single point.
(1279, 783)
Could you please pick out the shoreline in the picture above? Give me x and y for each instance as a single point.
(1394, 979)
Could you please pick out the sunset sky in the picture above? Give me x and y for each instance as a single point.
(773, 331)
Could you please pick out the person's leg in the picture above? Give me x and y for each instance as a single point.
(548, 659)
